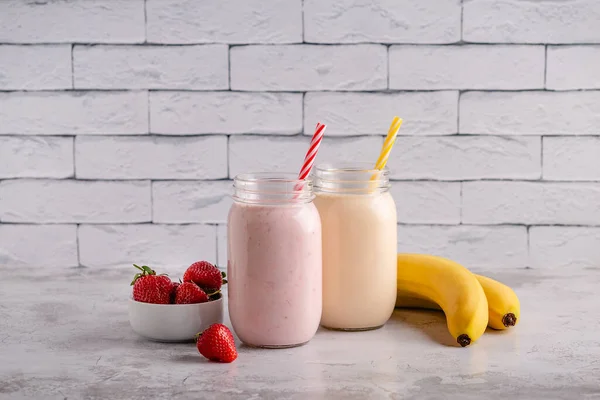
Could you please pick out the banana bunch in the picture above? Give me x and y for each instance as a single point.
(470, 302)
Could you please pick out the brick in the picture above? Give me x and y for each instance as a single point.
(466, 157)
(55, 246)
(54, 21)
(172, 248)
(531, 203)
(475, 247)
(384, 21)
(347, 114)
(70, 201)
(151, 67)
(548, 113)
(59, 113)
(564, 247)
(283, 154)
(309, 67)
(252, 21)
(191, 201)
(36, 157)
(225, 112)
(467, 67)
(513, 21)
(573, 67)
(35, 67)
(424, 202)
(151, 157)
(222, 246)
(572, 158)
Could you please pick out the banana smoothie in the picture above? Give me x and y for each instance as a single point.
(358, 218)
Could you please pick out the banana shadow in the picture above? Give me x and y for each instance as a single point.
(432, 323)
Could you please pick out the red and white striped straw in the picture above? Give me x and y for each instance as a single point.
(309, 159)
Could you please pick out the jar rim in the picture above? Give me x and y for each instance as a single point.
(349, 168)
(350, 178)
(272, 188)
(282, 177)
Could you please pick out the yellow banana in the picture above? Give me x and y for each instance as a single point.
(503, 304)
(449, 285)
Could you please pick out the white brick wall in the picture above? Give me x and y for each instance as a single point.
(151, 67)
(478, 247)
(490, 67)
(60, 113)
(531, 203)
(191, 113)
(151, 157)
(70, 201)
(35, 67)
(122, 126)
(169, 246)
(309, 67)
(455, 158)
(432, 113)
(573, 67)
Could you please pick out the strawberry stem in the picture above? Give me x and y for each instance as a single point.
(146, 270)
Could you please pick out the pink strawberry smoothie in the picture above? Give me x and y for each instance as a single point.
(274, 273)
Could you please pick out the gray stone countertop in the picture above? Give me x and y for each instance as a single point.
(67, 336)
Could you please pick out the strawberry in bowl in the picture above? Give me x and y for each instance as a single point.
(164, 310)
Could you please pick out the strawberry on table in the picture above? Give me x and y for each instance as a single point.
(205, 275)
(190, 293)
(151, 288)
(217, 344)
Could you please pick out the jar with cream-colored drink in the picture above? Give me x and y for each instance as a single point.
(358, 221)
(274, 260)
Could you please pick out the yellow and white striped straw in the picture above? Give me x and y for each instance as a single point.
(387, 145)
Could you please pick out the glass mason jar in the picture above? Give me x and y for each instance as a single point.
(274, 263)
(358, 219)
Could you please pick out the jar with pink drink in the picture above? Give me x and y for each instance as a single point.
(274, 260)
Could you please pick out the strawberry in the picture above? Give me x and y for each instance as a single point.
(205, 275)
(174, 287)
(151, 288)
(217, 344)
(188, 293)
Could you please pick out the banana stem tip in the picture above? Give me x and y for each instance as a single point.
(509, 319)
(464, 340)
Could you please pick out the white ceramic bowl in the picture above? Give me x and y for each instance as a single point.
(173, 322)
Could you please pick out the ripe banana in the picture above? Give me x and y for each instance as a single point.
(449, 285)
(503, 304)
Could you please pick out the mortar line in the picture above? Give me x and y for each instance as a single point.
(545, 65)
(149, 121)
(74, 138)
(461, 204)
(72, 67)
(303, 113)
(388, 65)
(151, 201)
(229, 67)
(217, 247)
(145, 22)
(77, 244)
(303, 22)
(460, 93)
(293, 43)
(541, 158)
(227, 156)
(462, 12)
(382, 92)
(528, 246)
